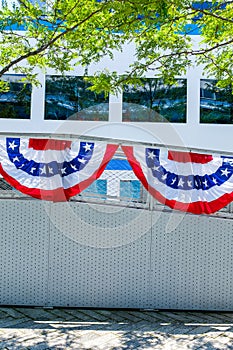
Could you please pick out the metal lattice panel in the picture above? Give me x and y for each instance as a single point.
(192, 265)
(101, 258)
(24, 240)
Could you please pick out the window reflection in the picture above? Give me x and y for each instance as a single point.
(16, 102)
(216, 104)
(68, 97)
(98, 187)
(130, 189)
(153, 101)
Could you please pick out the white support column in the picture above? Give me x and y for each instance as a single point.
(38, 102)
(115, 108)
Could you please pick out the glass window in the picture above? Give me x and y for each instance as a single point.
(68, 97)
(130, 189)
(153, 101)
(97, 187)
(16, 102)
(216, 104)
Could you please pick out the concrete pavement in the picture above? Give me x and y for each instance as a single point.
(64, 328)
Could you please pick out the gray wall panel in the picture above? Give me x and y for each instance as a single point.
(99, 259)
(192, 266)
(24, 242)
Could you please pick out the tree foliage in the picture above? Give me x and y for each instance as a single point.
(61, 33)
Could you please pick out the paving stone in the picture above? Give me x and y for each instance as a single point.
(173, 316)
(200, 330)
(94, 314)
(227, 317)
(116, 342)
(213, 334)
(174, 344)
(229, 334)
(187, 316)
(206, 317)
(62, 314)
(79, 315)
(92, 341)
(223, 339)
(159, 316)
(43, 341)
(104, 312)
(144, 316)
(166, 330)
(213, 344)
(181, 330)
(94, 329)
(127, 316)
(116, 317)
(121, 333)
(139, 343)
(224, 318)
(3, 315)
(10, 312)
(37, 313)
(194, 317)
(12, 322)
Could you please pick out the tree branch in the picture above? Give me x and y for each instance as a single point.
(42, 48)
(212, 14)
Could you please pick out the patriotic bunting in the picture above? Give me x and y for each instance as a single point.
(52, 170)
(191, 182)
(56, 170)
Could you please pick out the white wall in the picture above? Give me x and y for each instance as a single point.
(192, 134)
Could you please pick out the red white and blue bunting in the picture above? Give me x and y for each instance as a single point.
(192, 182)
(56, 170)
(52, 170)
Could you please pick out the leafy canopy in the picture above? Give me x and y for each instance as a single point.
(61, 33)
